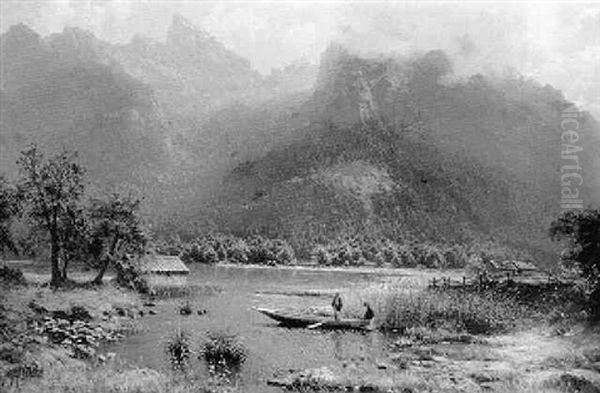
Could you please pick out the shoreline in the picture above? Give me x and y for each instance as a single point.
(386, 271)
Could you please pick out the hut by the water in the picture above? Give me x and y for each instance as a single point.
(163, 270)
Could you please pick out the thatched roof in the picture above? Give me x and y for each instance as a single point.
(162, 264)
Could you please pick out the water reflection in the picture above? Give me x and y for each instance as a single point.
(270, 347)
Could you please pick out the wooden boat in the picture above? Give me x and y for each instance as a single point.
(289, 319)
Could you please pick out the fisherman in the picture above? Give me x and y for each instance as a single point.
(337, 305)
(369, 314)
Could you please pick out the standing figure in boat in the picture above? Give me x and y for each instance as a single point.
(337, 305)
(369, 314)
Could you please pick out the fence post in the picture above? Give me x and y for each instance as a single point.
(464, 281)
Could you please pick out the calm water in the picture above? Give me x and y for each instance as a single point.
(271, 348)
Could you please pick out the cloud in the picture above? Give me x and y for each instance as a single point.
(549, 42)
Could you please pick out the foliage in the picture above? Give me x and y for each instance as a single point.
(116, 230)
(9, 207)
(11, 276)
(178, 350)
(356, 252)
(81, 339)
(581, 229)
(129, 275)
(52, 190)
(215, 248)
(223, 351)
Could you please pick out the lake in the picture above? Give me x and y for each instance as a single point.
(271, 349)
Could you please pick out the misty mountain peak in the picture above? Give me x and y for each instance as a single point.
(183, 32)
(21, 35)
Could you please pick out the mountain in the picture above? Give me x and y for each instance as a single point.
(55, 93)
(381, 147)
(192, 73)
(166, 118)
(399, 148)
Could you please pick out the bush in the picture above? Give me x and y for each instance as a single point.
(80, 339)
(129, 275)
(223, 352)
(223, 248)
(355, 252)
(10, 276)
(456, 257)
(269, 252)
(178, 350)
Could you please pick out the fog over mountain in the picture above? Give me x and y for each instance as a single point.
(311, 122)
(555, 43)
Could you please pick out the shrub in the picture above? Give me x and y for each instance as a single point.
(225, 248)
(11, 276)
(200, 253)
(178, 350)
(80, 339)
(407, 258)
(130, 275)
(223, 352)
(456, 257)
(322, 256)
(264, 251)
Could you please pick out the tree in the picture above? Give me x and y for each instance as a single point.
(9, 208)
(74, 237)
(581, 229)
(52, 190)
(116, 230)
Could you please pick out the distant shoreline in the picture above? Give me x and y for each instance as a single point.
(388, 271)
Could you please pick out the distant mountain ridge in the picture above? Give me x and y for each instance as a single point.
(115, 102)
(397, 148)
(382, 147)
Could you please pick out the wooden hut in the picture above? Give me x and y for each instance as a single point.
(163, 271)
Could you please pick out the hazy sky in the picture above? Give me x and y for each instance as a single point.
(556, 43)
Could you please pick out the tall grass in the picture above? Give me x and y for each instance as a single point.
(113, 379)
(405, 306)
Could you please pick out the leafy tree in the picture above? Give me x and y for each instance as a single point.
(116, 229)
(52, 190)
(581, 228)
(9, 208)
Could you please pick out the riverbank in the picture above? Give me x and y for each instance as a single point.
(448, 357)
(49, 340)
(467, 342)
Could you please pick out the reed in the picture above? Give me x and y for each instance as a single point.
(402, 306)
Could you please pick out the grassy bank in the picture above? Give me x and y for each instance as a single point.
(407, 303)
(48, 340)
(112, 378)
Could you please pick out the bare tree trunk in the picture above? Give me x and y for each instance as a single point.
(56, 279)
(105, 262)
(64, 269)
